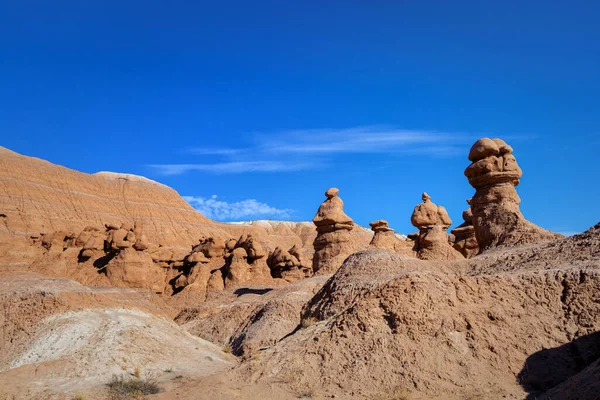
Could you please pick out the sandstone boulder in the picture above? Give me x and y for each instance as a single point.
(285, 264)
(141, 243)
(211, 247)
(135, 269)
(85, 235)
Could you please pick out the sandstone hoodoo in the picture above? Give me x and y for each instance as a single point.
(464, 235)
(433, 222)
(385, 238)
(497, 219)
(333, 242)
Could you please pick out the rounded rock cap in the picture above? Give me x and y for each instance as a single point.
(377, 223)
(332, 192)
(483, 148)
(503, 146)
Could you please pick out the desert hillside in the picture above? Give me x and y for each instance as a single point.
(37, 196)
(112, 286)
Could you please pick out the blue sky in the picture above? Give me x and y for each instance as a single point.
(254, 109)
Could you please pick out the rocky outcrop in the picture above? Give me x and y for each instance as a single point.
(465, 241)
(333, 242)
(385, 238)
(288, 264)
(497, 219)
(253, 248)
(238, 270)
(433, 222)
(135, 269)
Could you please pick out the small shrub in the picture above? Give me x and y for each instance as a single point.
(169, 370)
(227, 349)
(124, 367)
(80, 396)
(306, 322)
(136, 371)
(121, 388)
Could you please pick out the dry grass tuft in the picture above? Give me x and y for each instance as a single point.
(121, 388)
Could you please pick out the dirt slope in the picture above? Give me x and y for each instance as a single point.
(518, 323)
(60, 338)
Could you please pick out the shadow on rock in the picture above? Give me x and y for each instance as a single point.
(243, 291)
(548, 368)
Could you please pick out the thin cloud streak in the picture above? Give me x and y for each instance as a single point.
(218, 152)
(230, 167)
(298, 150)
(355, 140)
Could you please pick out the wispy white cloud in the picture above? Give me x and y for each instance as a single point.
(353, 140)
(216, 151)
(231, 167)
(297, 150)
(241, 210)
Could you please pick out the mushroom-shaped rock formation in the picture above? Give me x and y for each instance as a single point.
(465, 241)
(428, 214)
(433, 222)
(286, 265)
(331, 216)
(333, 242)
(497, 219)
(384, 238)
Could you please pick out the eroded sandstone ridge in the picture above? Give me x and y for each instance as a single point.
(333, 242)
(385, 238)
(464, 235)
(497, 219)
(433, 222)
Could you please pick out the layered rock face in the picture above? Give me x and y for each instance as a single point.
(38, 196)
(464, 235)
(333, 242)
(384, 238)
(497, 219)
(433, 222)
